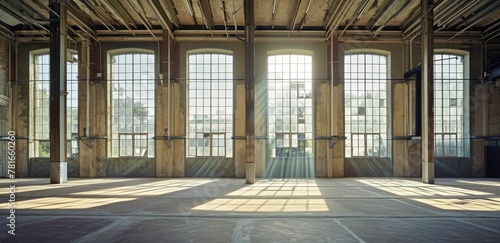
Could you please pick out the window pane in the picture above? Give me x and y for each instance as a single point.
(366, 115)
(448, 98)
(289, 105)
(210, 103)
(39, 95)
(133, 106)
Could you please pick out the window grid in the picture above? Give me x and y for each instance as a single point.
(366, 111)
(290, 112)
(210, 96)
(133, 105)
(41, 97)
(448, 105)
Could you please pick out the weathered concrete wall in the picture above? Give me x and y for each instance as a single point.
(130, 167)
(4, 67)
(209, 167)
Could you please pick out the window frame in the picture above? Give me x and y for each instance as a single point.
(218, 92)
(380, 109)
(463, 150)
(72, 79)
(114, 138)
(300, 74)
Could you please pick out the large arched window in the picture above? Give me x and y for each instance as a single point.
(39, 102)
(366, 105)
(210, 102)
(449, 105)
(132, 77)
(290, 121)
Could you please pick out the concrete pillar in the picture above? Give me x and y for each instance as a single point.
(337, 93)
(85, 145)
(58, 93)
(428, 92)
(163, 146)
(399, 129)
(250, 91)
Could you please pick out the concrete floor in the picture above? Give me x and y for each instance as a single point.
(271, 210)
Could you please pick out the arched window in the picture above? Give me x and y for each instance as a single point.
(132, 88)
(366, 105)
(290, 120)
(39, 102)
(449, 105)
(210, 102)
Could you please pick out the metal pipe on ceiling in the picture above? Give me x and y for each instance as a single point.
(273, 15)
(189, 7)
(162, 16)
(336, 23)
(115, 12)
(360, 11)
(379, 14)
(302, 22)
(333, 10)
(138, 9)
(206, 13)
(295, 14)
(21, 17)
(478, 17)
(235, 25)
(99, 15)
(394, 15)
(494, 27)
(223, 7)
(457, 12)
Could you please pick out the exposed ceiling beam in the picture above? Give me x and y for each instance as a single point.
(303, 20)
(162, 16)
(140, 11)
(339, 15)
(24, 7)
(381, 11)
(224, 15)
(206, 11)
(293, 20)
(78, 16)
(6, 32)
(492, 29)
(169, 7)
(22, 17)
(101, 18)
(273, 15)
(393, 16)
(189, 6)
(477, 17)
(359, 12)
(119, 13)
(456, 13)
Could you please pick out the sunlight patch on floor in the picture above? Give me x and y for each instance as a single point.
(274, 195)
(486, 204)
(147, 189)
(65, 203)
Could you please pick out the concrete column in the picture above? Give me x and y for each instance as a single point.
(338, 149)
(250, 91)
(85, 145)
(428, 92)
(163, 146)
(58, 93)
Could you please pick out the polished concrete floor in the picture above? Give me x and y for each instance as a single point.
(271, 210)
